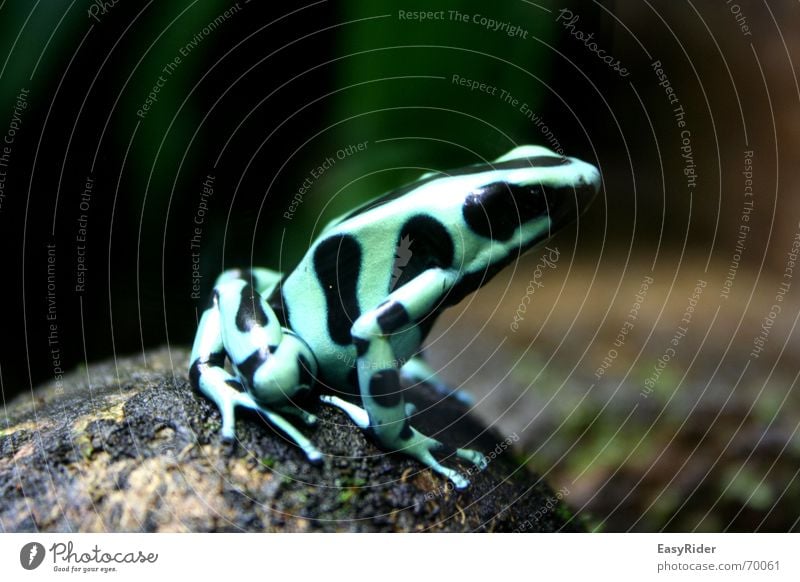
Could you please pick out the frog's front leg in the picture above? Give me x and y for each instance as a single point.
(378, 371)
(273, 367)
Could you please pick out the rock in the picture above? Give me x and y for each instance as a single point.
(129, 446)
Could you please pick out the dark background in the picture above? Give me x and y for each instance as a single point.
(263, 99)
(272, 91)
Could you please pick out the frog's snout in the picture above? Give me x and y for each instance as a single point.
(568, 202)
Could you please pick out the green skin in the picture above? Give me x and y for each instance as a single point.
(354, 313)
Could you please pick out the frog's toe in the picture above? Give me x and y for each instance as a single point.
(459, 481)
(421, 447)
(476, 458)
(227, 432)
(305, 417)
(314, 456)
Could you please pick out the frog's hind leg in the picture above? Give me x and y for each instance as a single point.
(207, 374)
(379, 378)
(417, 370)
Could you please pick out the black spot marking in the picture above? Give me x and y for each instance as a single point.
(304, 369)
(393, 317)
(250, 313)
(406, 433)
(498, 209)
(532, 162)
(539, 162)
(362, 346)
(430, 246)
(517, 163)
(337, 261)
(388, 197)
(235, 385)
(384, 387)
(247, 368)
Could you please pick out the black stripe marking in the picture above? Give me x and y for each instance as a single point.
(384, 387)
(235, 385)
(194, 374)
(429, 244)
(392, 317)
(337, 261)
(250, 313)
(247, 368)
(532, 162)
(278, 304)
(498, 209)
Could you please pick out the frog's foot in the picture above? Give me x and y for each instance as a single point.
(379, 377)
(271, 363)
(313, 454)
(422, 447)
(226, 393)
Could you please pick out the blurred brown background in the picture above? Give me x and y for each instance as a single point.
(708, 441)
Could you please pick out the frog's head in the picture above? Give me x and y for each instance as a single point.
(531, 189)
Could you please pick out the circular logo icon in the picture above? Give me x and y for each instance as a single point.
(31, 555)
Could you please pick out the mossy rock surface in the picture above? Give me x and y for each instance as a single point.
(129, 446)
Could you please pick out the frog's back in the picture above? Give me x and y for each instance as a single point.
(470, 222)
(352, 268)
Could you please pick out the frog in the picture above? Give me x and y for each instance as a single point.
(345, 328)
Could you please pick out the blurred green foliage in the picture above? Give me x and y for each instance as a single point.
(394, 90)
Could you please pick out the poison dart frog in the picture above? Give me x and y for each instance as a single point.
(350, 319)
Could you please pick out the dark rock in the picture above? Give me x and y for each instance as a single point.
(129, 446)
